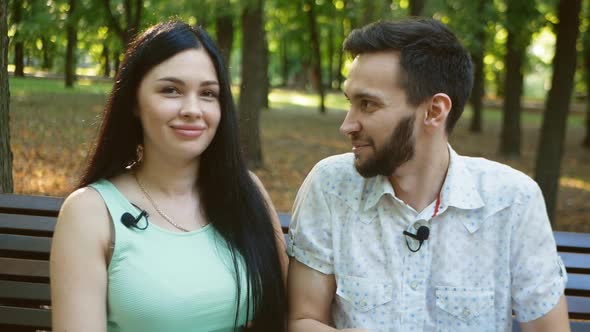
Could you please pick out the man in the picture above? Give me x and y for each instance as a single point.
(404, 234)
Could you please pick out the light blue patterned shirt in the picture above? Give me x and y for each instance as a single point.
(490, 252)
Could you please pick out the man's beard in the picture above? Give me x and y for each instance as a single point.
(391, 156)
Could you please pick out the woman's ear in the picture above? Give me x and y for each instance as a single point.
(438, 110)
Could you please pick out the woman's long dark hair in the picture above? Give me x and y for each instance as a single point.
(231, 200)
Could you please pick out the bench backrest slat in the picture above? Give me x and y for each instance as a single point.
(30, 291)
(578, 307)
(572, 242)
(25, 317)
(25, 244)
(580, 326)
(14, 267)
(285, 219)
(30, 205)
(576, 262)
(24, 224)
(578, 284)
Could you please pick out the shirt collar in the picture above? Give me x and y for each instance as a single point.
(374, 188)
(459, 189)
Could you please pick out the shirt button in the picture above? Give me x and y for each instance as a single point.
(466, 312)
(414, 285)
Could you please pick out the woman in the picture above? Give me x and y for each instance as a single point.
(168, 230)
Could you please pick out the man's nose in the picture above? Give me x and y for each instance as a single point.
(350, 124)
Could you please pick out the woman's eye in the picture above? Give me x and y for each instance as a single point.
(210, 94)
(170, 90)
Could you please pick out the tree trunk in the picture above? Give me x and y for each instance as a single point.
(47, 62)
(550, 148)
(586, 141)
(510, 138)
(416, 7)
(225, 35)
(477, 93)
(353, 7)
(330, 57)
(6, 184)
(19, 48)
(339, 77)
(266, 62)
(132, 13)
(284, 61)
(251, 91)
(316, 59)
(369, 12)
(478, 90)
(106, 61)
(117, 60)
(70, 69)
(499, 79)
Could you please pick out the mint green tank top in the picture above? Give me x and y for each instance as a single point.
(159, 280)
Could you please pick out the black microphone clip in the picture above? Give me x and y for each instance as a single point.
(421, 236)
(129, 221)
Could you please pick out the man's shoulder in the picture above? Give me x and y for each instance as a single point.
(497, 178)
(337, 176)
(336, 166)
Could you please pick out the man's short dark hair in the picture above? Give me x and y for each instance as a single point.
(432, 60)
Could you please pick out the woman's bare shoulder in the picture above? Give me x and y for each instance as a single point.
(84, 200)
(84, 213)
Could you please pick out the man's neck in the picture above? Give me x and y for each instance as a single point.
(419, 181)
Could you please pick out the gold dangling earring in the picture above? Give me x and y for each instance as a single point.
(138, 156)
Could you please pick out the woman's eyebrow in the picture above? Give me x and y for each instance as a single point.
(206, 83)
(171, 79)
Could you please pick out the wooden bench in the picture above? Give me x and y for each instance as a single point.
(26, 227)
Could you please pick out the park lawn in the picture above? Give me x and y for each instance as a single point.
(52, 127)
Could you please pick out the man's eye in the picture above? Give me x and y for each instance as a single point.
(365, 104)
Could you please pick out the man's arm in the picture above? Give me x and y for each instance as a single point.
(310, 298)
(555, 320)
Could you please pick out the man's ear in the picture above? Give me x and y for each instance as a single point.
(437, 111)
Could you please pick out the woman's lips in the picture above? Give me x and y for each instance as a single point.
(189, 131)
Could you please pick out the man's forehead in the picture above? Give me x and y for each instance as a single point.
(370, 66)
(386, 56)
(357, 91)
(371, 75)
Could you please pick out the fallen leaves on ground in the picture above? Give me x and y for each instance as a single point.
(50, 136)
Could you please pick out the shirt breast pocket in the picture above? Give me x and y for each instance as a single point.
(363, 294)
(465, 309)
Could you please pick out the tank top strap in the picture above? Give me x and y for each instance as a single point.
(116, 203)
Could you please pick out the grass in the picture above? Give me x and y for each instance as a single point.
(29, 86)
(51, 128)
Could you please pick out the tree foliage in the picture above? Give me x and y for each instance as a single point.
(298, 44)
